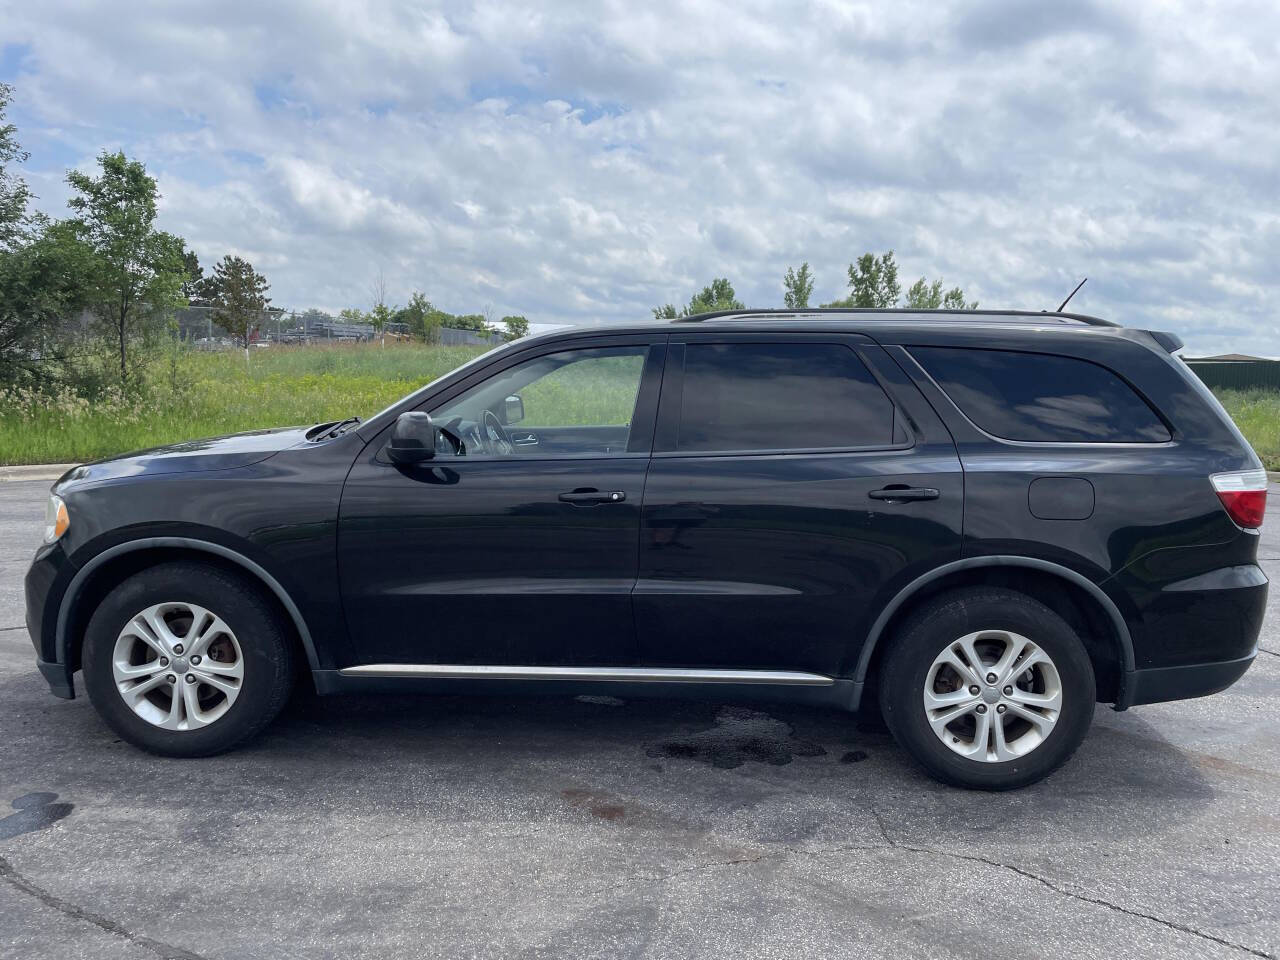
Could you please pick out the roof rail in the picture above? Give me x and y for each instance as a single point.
(897, 313)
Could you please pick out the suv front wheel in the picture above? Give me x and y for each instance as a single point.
(987, 688)
(187, 660)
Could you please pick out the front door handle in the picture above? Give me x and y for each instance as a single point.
(904, 494)
(589, 497)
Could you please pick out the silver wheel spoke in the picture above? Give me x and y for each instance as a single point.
(1040, 721)
(1001, 746)
(940, 718)
(132, 671)
(967, 673)
(937, 701)
(191, 705)
(235, 670)
(981, 737)
(133, 693)
(1040, 701)
(146, 688)
(218, 683)
(204, 629)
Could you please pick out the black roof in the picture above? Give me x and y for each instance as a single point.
(901, 314)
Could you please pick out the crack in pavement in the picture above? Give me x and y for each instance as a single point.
(1270, 653)
(3, 629)
(891, 844)
(23, 885)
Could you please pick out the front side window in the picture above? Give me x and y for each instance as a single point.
(1040, 398)
(780, 396)
(572, 403)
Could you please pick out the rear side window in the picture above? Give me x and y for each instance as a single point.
(1041, 398)
(780, 396)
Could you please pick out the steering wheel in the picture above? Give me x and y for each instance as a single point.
(496, 436)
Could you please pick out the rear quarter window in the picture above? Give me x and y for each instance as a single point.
(1040, 398)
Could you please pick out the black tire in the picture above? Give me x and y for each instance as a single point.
(263, 640)
(924, 635)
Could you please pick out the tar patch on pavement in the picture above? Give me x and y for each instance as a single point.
(854, 756)
(740, 735)
(35, 812)
(600, 805)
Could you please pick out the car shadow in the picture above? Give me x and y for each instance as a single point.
(689, 759)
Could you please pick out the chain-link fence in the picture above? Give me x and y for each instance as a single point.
(197, 326)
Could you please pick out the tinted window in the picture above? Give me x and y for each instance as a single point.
(573, 403)
(774, 396)
(1036, 397)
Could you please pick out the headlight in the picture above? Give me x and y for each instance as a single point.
(56, 520)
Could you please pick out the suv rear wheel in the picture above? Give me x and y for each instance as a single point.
(186, 660)
(987, 688)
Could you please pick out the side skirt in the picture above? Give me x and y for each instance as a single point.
(491, 680)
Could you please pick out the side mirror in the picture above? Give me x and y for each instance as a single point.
(413, 438)
(513, 409)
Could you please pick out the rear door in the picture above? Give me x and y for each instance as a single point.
(797, 482)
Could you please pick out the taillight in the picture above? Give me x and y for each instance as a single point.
(1244, 494)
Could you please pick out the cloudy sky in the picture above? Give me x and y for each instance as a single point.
(582, 163)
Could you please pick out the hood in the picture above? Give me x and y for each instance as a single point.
(214, 453)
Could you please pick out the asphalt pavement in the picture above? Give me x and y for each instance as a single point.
(450, 827)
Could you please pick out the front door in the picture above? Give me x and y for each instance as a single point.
(516, 545)
(770, 528)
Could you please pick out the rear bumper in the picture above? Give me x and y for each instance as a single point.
(1159, 684)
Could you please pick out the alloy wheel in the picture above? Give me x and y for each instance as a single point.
(178, 666)
(992, 696)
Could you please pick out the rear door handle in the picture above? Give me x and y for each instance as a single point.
(588, 497)
(903, 494)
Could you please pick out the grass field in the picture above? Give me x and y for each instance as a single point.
(1257, 414)
(192, 394)
(200, 394)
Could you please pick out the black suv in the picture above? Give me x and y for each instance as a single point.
(991, 520)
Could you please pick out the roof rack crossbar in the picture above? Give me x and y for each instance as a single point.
(895, 313)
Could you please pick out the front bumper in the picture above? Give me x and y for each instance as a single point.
(46, 584)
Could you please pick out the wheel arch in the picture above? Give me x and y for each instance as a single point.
(112, 565)
(1031, 575)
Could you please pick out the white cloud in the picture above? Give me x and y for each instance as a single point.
(583, 163)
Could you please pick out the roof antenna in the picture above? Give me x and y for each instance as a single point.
(1064, 303)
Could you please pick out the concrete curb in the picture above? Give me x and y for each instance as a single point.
(36, 471)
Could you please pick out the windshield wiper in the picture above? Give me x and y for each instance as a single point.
(339, 428)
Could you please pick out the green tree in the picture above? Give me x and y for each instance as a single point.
(380, 316)
(873, 282)
(422, 319)
(14, 194)
(194, 281)
(137, 271)
(923, 295)
(517, 327)
(352, 315)
(797, 286)
(41, 286)
(717, 295)
(239, 298)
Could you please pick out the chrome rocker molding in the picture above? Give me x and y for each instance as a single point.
(62, 641)
(448, 671)
(1124, 697)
